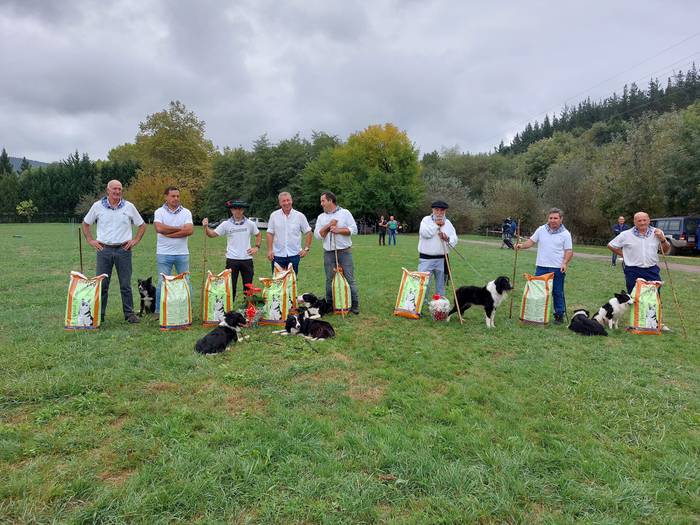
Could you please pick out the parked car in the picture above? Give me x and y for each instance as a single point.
(681, 232)
(260, 223)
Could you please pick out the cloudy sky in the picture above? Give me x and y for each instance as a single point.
(81, 74)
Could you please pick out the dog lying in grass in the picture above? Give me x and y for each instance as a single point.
(317, 307)
(220, 337)
(581, 324)
(303, 324)
(489, 296)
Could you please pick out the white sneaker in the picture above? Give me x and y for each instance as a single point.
(665, 328)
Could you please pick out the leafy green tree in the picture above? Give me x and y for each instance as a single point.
(377, 170)
(515, 198)
(9, 192)
(465, 213)
(681, 186)
(172, 143)
(27, 209)
(24, 166)
(230, 173)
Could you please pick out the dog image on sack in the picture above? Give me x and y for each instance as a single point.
(646, 314)
(175, 302)
(83, 305)
(409, 301)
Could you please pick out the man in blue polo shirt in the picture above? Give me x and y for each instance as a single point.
(554, 251)
(114, 217)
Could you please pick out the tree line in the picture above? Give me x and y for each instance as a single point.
(651, 162)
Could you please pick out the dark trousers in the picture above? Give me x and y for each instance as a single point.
(242, 266)
(382, 237)
(284, 263)
(632, 273)
(108, 258)
(346, 263)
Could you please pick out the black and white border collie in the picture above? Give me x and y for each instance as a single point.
(316, 307)
(148, 296)
(302, 324)
(612, 311)
(220, 337)
(489, 296)
(581, 324)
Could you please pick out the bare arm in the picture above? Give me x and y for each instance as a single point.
(207, 229)
(568, 254)
(615, 250)
(163, 229)
(269, 238)
(529, 244)
(128, 245)
(308, 238)
(185, 231)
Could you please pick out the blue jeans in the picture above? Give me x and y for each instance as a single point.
(345, 262)
(165, 263)
(392, 236)
(284, 262)
(436, 267)
(648, 274)
(557, 287)
(116, 257)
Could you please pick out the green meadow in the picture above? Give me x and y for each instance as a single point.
(394, 421)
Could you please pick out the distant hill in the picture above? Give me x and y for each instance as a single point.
(16, 163)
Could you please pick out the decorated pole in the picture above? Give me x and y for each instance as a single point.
(515, 265)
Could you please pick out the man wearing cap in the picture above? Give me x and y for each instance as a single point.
(173, 224)
(114, 217)
(554, 251)
(334, 227)
(239, 253)
(285, 228)
(435, 238)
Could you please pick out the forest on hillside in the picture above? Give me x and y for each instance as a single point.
(638, 151)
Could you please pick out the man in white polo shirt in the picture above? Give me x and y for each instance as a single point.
(284, 230)
(113, 243)
(554, 251)
(334, 227)
(239, 253)
(639, 247)
(173, 224)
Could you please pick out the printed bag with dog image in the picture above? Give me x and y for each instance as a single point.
(341, 292)
(409, 302)
(217, 297)
(83, 306)
(291, 282)
(175, 303)
(536, 307)
(278, 303)
(646, 314)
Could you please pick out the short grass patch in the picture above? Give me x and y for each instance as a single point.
(394, 421)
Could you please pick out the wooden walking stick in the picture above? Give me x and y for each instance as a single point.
(80, 249)
(204, 276)
(675, 297)
(452, 281)
(515, 264)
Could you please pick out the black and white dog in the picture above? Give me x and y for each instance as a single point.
(581, 324)
(489, 296)
(220, 337)
(612, 311)
(302, 324)
(316, 307)
(148, 296)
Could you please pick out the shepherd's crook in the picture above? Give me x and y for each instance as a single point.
(515, 264)
(204, 275)
(452, 281)
(80, 249)
(675, 297)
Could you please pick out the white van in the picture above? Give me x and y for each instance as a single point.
(260, 223)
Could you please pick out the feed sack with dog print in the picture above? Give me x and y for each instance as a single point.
(536, 307)
(217, 297)
(646, 314)
(291, 282)
(341, 292)
(409, 301)
(175, 302)
(277, 300)
(83, 305)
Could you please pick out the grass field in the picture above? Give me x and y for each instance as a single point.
(394, 421)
